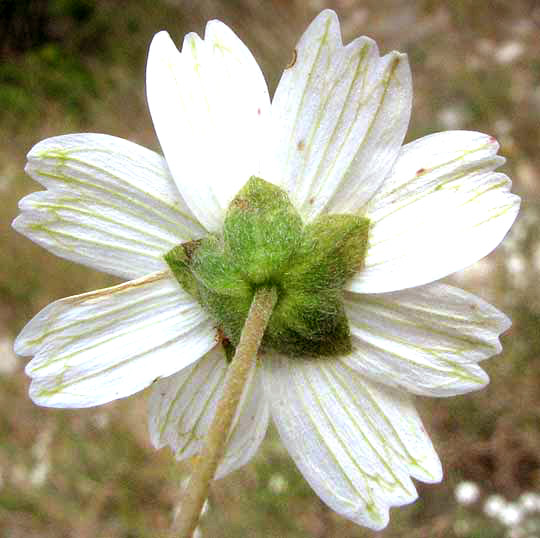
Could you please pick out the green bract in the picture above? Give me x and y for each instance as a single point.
(265, 244)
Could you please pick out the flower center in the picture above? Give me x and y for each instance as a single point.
(264, 243)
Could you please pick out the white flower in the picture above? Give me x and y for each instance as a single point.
(509, 52)
(332, 138)
(39, 473)
(494, 506)
(277, 483)
(467, 493)
(511, 515)
(8, 360)
(530, 501)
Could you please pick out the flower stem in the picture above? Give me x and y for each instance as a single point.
(215, 443)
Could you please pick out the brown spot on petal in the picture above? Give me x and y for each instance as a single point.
(107, 292)
(420, 171)
(301, 145)
(293, 59)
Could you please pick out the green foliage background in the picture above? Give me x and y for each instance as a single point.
(78, 65)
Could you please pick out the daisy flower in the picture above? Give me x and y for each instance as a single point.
(327, 154)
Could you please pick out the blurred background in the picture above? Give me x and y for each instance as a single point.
(78, 65)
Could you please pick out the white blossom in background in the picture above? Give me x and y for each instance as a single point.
(8, 359)
(41, 448)
(502, 126)
(511, 515)
(101, 420)
(39, 473)
(467, 493)
(509, 52)
(332, 139)
(494, 505)
(452, 117)
(278, 484)
(517, 267)
(530, 501)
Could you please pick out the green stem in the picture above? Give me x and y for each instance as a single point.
(238, 371)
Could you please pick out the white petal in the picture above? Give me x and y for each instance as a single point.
(426, 340)
(182, 408)
(441, 209)
(355, 442)
(110, 204)
(340, 115)
(100, 346)
(209, 104)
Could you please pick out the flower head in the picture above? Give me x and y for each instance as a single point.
(467, 492)
(330, 146)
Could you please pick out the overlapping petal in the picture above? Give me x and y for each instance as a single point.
(209, 105)
(441, 209)
(339, 117)
(426, 340)
(355, 442)
(182, 408)
(96, 347)
(110, 204)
